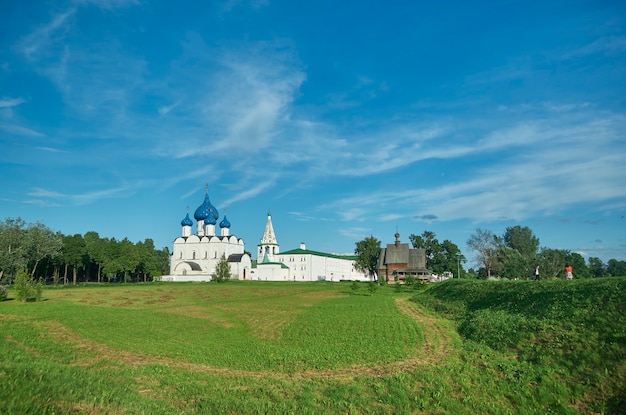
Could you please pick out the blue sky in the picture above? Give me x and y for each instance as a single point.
(344, 119)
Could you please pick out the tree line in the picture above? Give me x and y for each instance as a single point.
(517, 252)
(57, 258)
(513, 255)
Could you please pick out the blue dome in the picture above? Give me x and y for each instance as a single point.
(211, 216)
(203, 210)
(206, 211)
(225, 223)
(186, 221)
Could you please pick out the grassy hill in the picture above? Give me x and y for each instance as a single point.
(565, 338)
(460, 347)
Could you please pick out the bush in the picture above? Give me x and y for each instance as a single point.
(3, 293)
(222, 270)
(26, 288)
(372, 287)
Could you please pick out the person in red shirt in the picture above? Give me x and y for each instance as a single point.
(568, 272)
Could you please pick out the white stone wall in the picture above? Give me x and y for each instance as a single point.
(310, 267)
(271, 272)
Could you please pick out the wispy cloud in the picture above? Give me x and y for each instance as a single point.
(11, 102)
(607, 44)
(39, 41)
(308, 218)
(53, 198)
(355, 233)
(250, 193)
(38, 192)
(109, 4)
(550, 167)
(19, 130)
(50, 150)
(230, 5)
(167, 108)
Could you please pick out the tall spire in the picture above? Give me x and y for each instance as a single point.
(268, 235)
(269, 245)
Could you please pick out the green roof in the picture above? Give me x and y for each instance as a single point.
(299, 251)
(256, 264)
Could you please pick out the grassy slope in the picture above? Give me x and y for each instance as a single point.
(315, 348)
(567, 333)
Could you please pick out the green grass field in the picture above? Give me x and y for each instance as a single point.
(461, 347)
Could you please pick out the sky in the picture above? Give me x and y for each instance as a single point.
(344, 119)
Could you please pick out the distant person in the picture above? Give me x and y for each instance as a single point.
(568, 272)
(537, 277)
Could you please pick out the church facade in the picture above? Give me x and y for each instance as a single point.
(195, 255)
(397, 261)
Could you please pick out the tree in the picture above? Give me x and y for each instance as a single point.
(522, 240)
(616, 268)
(367, 253)
(552, 262)
(96, 250)
(163, 258)
(41, 242)
(440, 257)
(452, 258)
(485, 245)
(129, 258)
(511, 263)
(222, 270)
(578, 264)
(427, 241)
(596, 267)
(12, 246)
(73, 251)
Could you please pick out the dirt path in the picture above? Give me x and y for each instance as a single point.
(439, 338)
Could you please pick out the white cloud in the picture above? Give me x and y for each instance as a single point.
(46, 196)
(38, 192)
(11, 102)
(50, 149)
(39, 41)
(109, 4)
(607, 44)
(167, 108)
(544, 169)
(19, 130)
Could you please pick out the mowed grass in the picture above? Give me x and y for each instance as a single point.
(305, 348)
(234, 326)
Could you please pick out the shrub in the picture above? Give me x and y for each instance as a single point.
(3, 293)
(222, 270)
(372, 287)
(26, 288)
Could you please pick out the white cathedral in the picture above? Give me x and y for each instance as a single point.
(195, 256)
